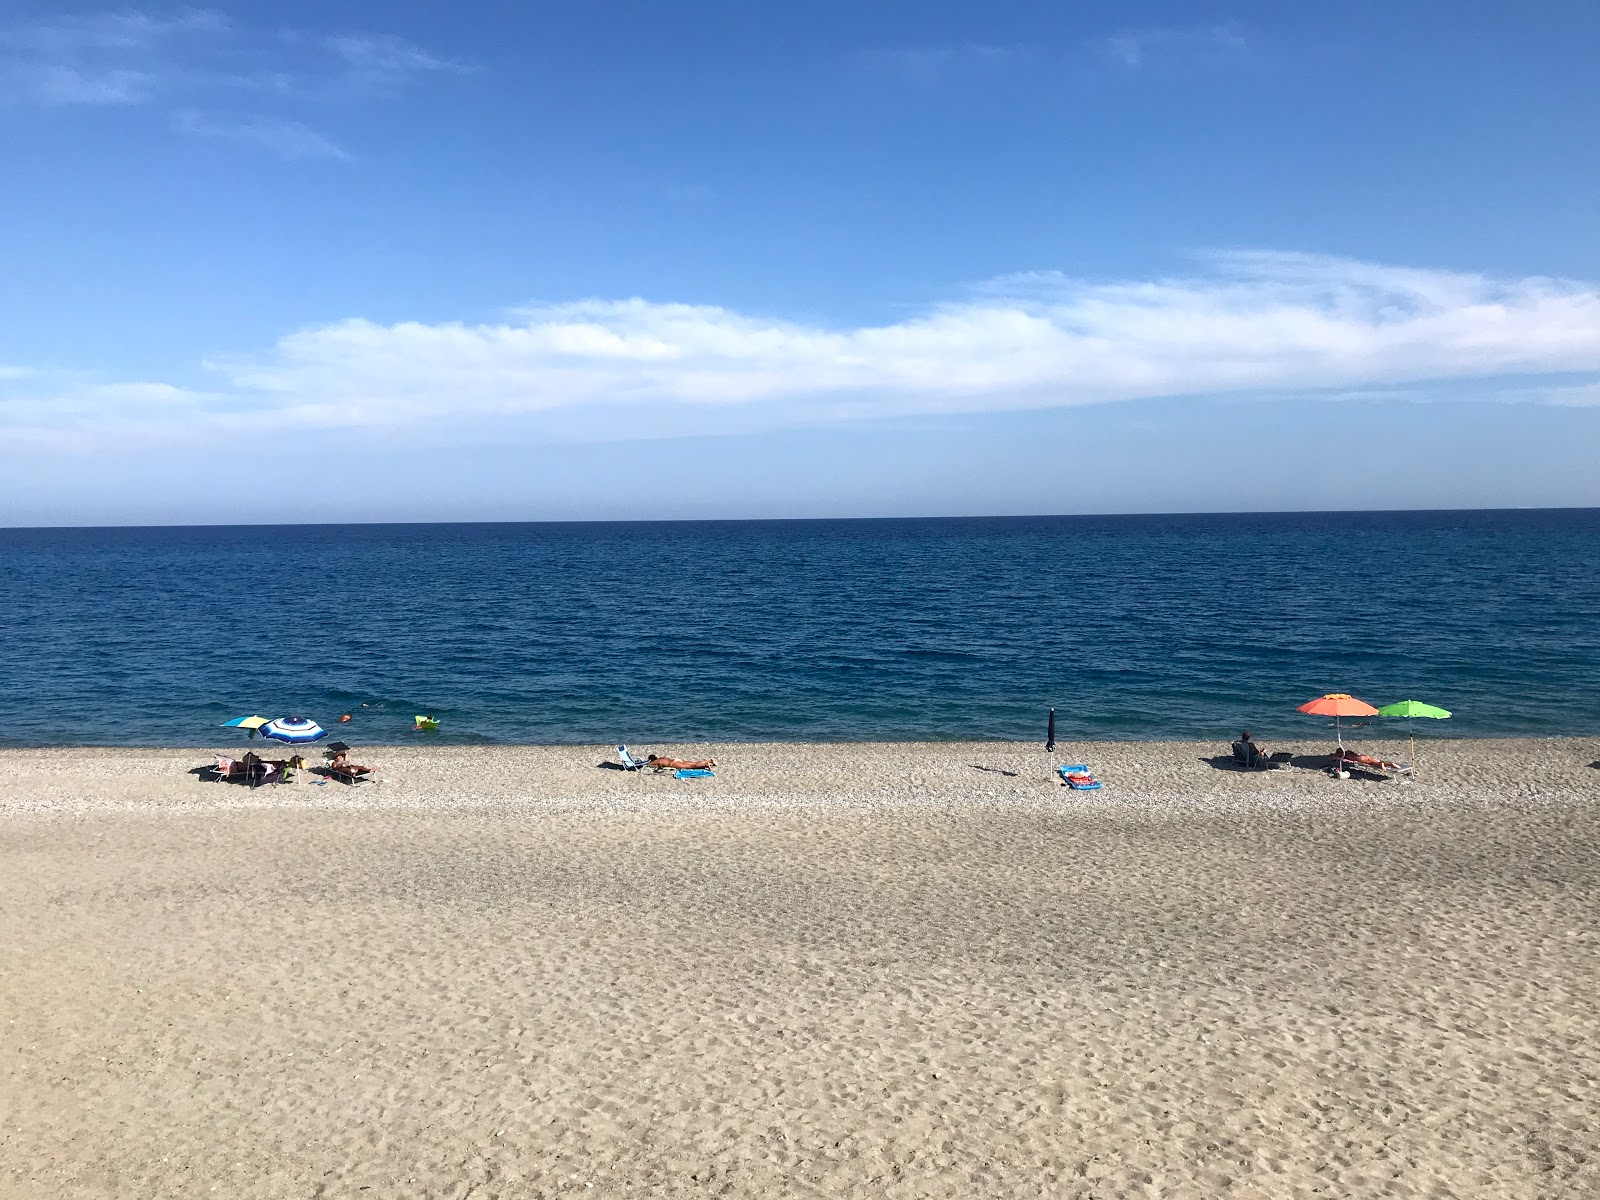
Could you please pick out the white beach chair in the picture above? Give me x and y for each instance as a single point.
(629, 762)
(1374, 764)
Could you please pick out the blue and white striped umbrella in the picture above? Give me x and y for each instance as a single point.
(293, 729)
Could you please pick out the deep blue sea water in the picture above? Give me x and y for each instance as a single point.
(1133, 627)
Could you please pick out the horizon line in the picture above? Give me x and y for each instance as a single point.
(1251, 512)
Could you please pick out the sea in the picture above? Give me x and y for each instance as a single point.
(1130, 627)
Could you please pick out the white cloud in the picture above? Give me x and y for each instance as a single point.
(288, 139)
(1136, 48)
(60, 84)
(99, 58)
(195, 56)
(108, 31)
(1254, 323)
(379, 54)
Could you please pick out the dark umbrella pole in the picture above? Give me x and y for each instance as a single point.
(1050, 746)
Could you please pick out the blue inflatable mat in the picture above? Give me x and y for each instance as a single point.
(1070, 769)
(693, 773)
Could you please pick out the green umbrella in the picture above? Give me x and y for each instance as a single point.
(1409, 709)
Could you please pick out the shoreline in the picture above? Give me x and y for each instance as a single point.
(339, 734)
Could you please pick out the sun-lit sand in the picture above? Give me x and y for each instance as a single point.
(863, 970)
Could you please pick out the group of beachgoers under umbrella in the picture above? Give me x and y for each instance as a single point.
(1338, 705)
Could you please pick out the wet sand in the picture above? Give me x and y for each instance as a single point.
(863, 970)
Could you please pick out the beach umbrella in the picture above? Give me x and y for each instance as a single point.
(1336, 705)
(249, 724)
(1410, 709)
(293, 730)
(1050, 734)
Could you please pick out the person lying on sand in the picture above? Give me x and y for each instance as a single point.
(680, 764)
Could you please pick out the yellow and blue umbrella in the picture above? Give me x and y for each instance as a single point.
(249, 724)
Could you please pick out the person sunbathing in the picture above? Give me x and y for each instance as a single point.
(680, 764)
(1363, 760)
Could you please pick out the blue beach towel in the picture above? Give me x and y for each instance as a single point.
(693, 773)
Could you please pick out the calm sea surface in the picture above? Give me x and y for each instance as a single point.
(1133, 627)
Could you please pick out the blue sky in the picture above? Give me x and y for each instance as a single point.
(524, 261)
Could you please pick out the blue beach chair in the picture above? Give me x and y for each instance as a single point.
(629, 762)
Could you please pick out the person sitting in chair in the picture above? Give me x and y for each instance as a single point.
(340, 764)
(680, 764)
(1248, 752)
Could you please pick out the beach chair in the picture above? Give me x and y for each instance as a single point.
(1349, 759)
(351, 773)
(629, 762)
(228, 768)
(266, 770)
(1249, 756)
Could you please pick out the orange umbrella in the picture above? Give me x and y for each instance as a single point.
(1336, 705)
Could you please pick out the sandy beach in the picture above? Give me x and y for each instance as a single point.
(853, 970)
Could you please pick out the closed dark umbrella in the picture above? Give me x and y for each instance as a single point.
(1050, 734)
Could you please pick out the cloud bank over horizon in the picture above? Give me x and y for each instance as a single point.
(1250, 322)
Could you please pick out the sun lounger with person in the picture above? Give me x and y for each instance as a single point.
(1368, 762)
(340, 767)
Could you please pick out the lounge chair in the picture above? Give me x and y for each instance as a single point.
(629, 762)
(1344, 759)
(351, 773)
(264, 770)
(228, 768)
